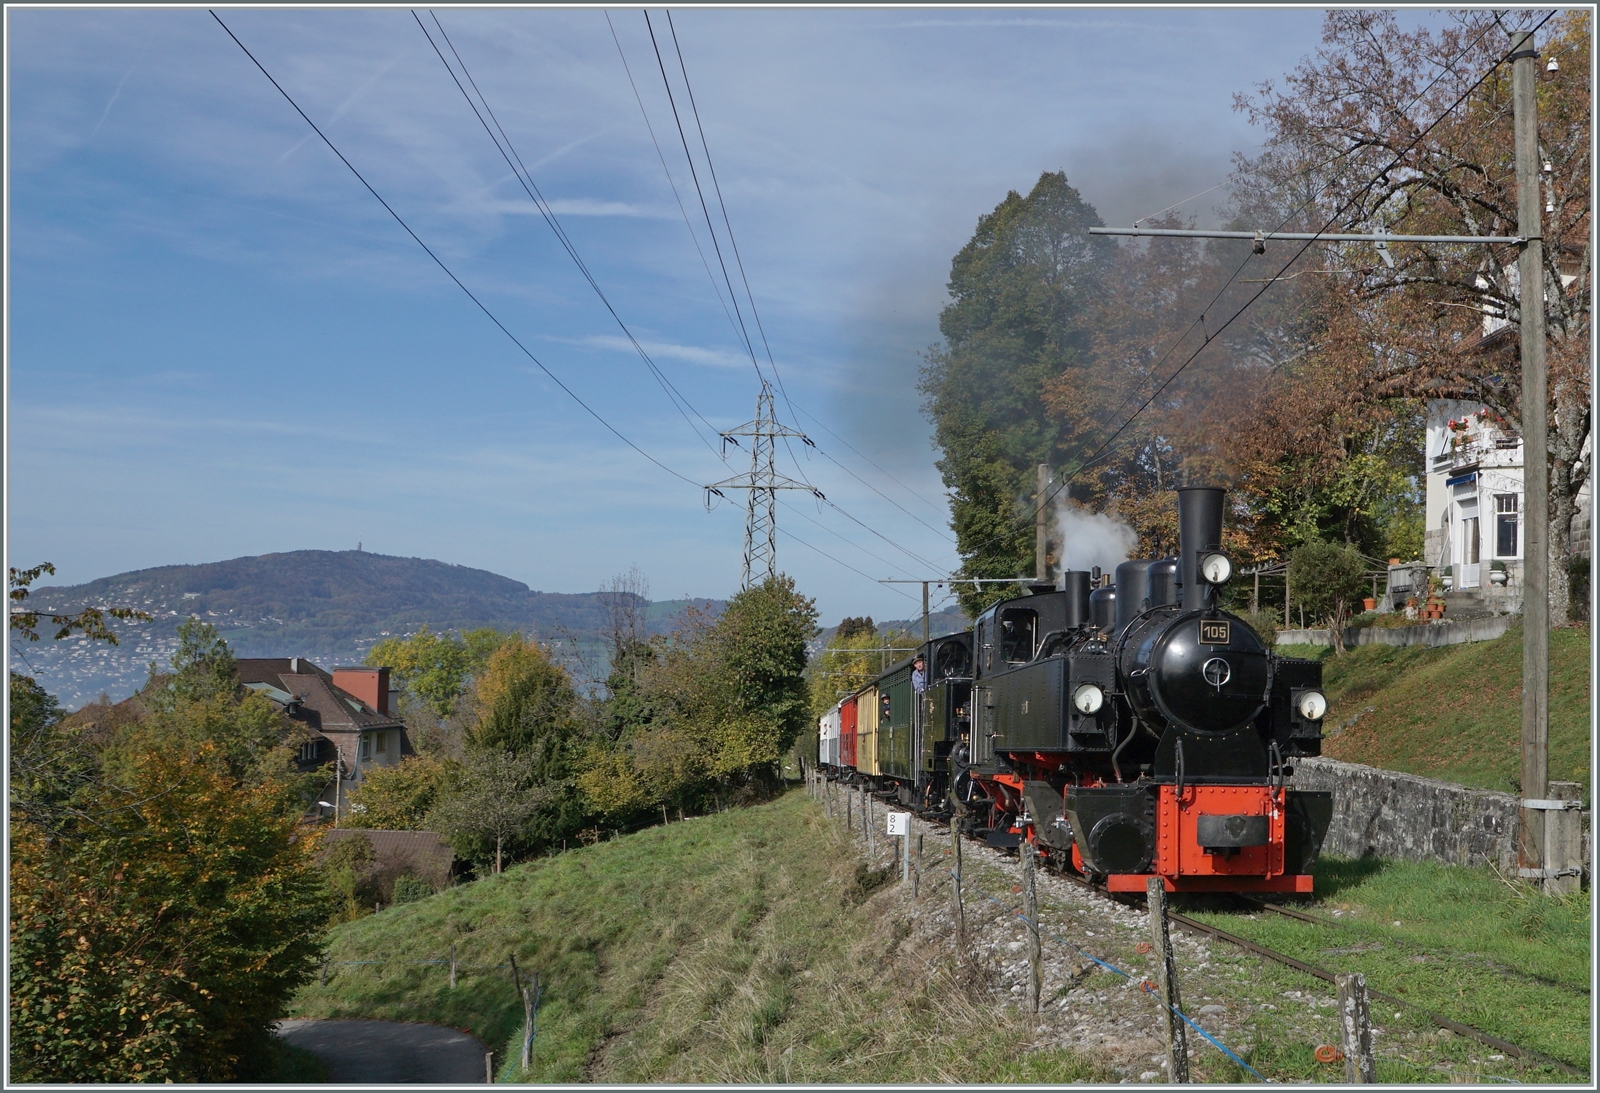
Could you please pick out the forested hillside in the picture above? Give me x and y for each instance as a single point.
(328, 605)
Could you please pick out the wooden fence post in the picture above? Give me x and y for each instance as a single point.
(530, 1011)
(452, 967)
(955, 884)
(325, 973)
(1030, 910)
(1355, 1029)
(1167, 982)
(916, 868)
(516, 976)
(849, 819)
(866, 821)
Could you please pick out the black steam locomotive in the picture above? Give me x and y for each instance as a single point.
(1135, 729)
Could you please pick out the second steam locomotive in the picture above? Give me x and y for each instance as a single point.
(1131, 730)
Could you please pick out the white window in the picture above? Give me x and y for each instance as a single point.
(1505, 525)
(308, 751)
(383, 742)
(366, 745)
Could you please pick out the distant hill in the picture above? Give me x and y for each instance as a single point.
(330, 606)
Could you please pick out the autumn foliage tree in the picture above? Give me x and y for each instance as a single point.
(164, 904)
(1411, 132)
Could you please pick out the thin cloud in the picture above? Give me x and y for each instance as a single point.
(689, 354)
(106, 113)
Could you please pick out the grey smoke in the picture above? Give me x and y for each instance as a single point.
(1092, 539)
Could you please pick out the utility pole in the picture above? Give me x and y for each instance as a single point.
(1041, 525)
(1535, 470)
(925, 614)
(762, 483)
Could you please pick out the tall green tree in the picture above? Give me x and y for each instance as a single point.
(1020, 299)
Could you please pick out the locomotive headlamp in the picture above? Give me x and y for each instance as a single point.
(1088, 698)
(1215, 568)
(1312, 705)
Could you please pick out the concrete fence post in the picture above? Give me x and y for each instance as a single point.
(1355, 1029)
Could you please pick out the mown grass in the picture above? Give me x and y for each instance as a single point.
(1460, 942)
(1455, 712)
(729, 948)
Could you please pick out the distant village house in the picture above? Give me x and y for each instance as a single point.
(347, 712)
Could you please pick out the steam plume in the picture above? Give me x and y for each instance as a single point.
(1091, 539)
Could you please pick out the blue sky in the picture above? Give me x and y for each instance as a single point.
(220, 344)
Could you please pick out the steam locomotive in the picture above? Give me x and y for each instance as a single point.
(1130, 730)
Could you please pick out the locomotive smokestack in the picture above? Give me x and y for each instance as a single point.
(1075, 583)
(1199, 530)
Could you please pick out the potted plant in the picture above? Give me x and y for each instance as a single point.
(1497, 573)
(1369, 604)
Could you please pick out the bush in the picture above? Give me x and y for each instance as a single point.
(1328, 580)
(1264, 623)
(409, 889)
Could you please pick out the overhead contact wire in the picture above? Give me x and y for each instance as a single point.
(1211, 336)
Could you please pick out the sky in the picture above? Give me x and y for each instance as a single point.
(219, 343)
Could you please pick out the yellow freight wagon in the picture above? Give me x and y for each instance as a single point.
(867, 731)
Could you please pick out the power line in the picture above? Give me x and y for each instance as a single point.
(717, 289)
(525, 178)
(838, 561)
(440, 263)
(651, 129)
(717, 187)
(695, 176)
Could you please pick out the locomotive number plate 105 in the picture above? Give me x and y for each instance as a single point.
(1214, 631)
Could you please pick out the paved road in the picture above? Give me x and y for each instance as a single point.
(385, 1052)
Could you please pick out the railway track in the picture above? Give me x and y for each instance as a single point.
(1439, 1019)
(1195, 926)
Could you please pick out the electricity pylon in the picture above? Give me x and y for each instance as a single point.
(762, 483)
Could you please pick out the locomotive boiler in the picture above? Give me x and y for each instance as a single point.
(1132, 730)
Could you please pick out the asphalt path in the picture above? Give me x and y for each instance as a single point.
(390, 1052)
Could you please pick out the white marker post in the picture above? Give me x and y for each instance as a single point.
(900, 824)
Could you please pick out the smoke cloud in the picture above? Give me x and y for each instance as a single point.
(1090, 539)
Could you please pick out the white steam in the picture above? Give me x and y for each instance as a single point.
(1090, 539)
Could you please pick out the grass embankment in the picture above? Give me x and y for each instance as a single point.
(1460, 942)
(1455, 713)
(727, 948)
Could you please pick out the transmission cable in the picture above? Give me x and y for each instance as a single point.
(695, 176)
(717, 187)
(718, 290)
(651, 129)
(440, 263)
(524, 177)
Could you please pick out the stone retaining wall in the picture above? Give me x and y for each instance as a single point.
(1386, 814)
(1431, 634)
